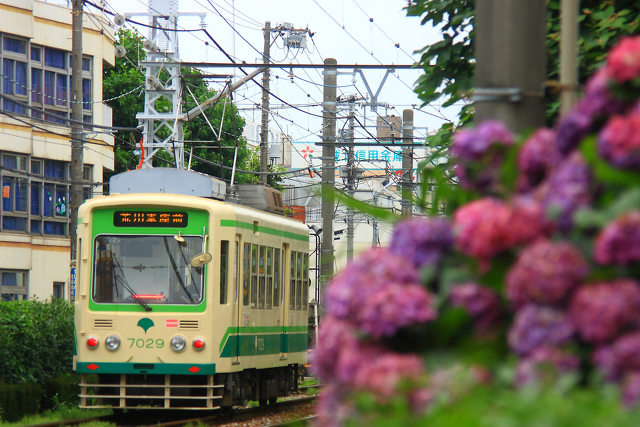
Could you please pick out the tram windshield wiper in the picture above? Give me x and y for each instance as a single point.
(122, 279)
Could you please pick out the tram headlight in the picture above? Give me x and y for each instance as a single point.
(112, 342)
(178, 343)
(198, 344)
(93, 342)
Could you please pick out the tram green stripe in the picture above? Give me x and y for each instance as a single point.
(254, 330)
(145, 368)
(264, 344)
(268, 230)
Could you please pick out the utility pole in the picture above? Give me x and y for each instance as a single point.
(569, 29)
(374, 238)
(407, 162)
(511, 70)
(264, 130)
(77, 135)
(329, 103)
(351, 178)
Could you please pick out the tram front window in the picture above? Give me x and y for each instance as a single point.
(147, 270)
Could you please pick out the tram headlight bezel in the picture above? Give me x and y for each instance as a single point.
(178, 343)
(112, 342)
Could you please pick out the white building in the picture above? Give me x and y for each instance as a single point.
(35, 147)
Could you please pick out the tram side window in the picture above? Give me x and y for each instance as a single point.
(299, 280)
(246, 273)
(292, 283)
(269, 295)
(224, 270)
(254, 276)
(276, 278)
(262, 270)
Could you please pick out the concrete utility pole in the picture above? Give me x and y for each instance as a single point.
(264, 130)
(77, 134)
(329, 103)
(407, 162)
(351, 179)
(510, 71)
(569, 32)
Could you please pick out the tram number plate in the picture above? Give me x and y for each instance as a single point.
(145, 342)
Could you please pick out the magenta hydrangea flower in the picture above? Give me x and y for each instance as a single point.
(537, 157)
(601, 310)
(488, 226)
(482, 304)
(566, 190)
(623, 62)
(333, 357)
(544, 365)
(379, 293)
(473, 143)
(619, 242)
(393, 307)
(544, 273)
(423, 241)
(619, 141)
(538, 326)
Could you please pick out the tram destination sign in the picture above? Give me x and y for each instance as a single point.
(150, 219)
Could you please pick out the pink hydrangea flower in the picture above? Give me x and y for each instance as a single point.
(601, 310)
(332, 408)
(537, 157)
(544, 273)
(381, 372)
(619, 242)
(623, 62)
(333, 359)
(619, 141)
(488, 226)
(631, 389)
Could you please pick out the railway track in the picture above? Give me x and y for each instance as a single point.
(173, 419)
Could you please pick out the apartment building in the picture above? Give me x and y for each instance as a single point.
(35, 146)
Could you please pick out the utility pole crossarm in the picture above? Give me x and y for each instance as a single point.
(194, 112)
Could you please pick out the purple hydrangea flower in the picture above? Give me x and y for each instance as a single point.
(544, 273)
(619, 141)
(538, 326)
(472, 144)
(601, 310)
(537, 157)
(544, 365)
(566, 190)
(379, 293)
(620, 357)
(482, 304)
(332, 409)
(587, 115)
(619, 242)
(423, 241)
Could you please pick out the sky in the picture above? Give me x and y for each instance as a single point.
(351, 31)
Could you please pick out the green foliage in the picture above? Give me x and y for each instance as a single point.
(36, 340)
(18, 400)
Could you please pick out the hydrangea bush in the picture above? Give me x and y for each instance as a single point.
(540, 255)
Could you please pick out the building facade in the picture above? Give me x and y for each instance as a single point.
(35, 146)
